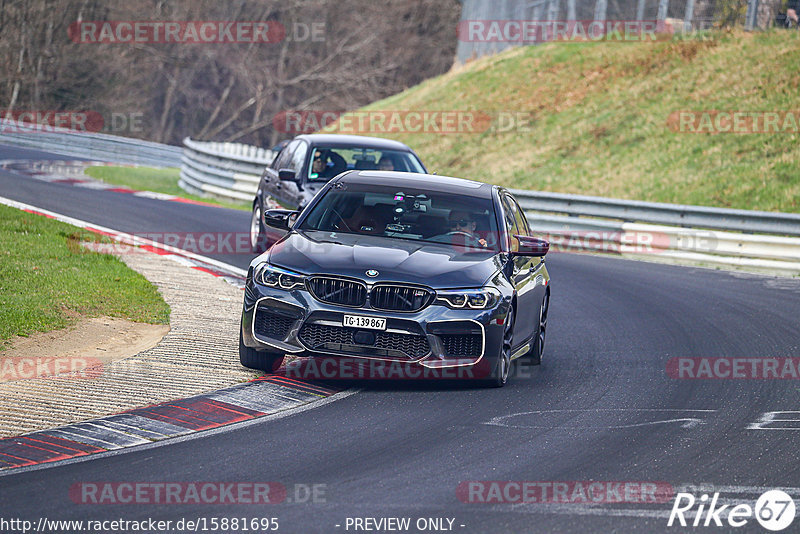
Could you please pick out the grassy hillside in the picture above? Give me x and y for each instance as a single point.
(599, 119)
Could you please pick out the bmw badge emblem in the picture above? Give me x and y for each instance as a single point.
(372, 273)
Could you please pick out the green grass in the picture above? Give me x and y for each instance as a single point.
(158, 180)
(599, 115)
(49, 281)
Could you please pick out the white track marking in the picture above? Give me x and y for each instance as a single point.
(688, 422)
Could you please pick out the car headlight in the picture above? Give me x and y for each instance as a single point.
(470, 299)
(272, 276)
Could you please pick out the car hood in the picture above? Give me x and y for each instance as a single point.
(396, 260)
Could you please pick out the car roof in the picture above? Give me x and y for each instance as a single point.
(360, 141)
(432, 182)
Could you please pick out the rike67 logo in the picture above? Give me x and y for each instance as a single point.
(774, 510)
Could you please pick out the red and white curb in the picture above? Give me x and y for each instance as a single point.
(261, 397)
(258, 398)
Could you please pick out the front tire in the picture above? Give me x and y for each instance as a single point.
(269, 362)
(499, 376)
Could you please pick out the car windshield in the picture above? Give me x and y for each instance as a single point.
(327, 162)
(406, 213)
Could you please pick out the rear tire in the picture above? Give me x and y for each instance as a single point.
(269, 362)
(538, 342)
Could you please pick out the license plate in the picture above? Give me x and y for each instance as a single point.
(362, 321)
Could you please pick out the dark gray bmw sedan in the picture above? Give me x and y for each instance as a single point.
(425, 270)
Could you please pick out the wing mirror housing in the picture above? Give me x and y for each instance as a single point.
(287, 175)
(280, 219)
(531, 246)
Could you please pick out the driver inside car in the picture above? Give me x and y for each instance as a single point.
(327, 164)
(462, 223)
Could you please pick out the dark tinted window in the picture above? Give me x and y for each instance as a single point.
(510, 220)
(283, 159)
(519, 215)
(298, 157)
(406, 213)
(335, 160)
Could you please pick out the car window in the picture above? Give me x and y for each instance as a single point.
(334, 160)
(510, 219)
(298, 157)
(519, 215)
(406, 213)
(283, 159)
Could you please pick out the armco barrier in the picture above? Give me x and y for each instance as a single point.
(232, 171)
(695, 233)
(87, 145)
(659, 213)
(226, 170)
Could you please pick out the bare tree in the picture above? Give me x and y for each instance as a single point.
(362, 51)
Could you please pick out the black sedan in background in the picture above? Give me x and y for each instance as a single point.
(424, 270)
(306, 164)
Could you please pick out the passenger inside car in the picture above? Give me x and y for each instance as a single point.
(386, 163)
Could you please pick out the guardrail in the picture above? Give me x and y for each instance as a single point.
(88, 145)
(226, 170)
(714, 236)
(655, 212)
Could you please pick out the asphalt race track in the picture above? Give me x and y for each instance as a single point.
(602, 407)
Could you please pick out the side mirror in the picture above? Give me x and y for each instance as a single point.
(531, 246)
(278, 218)
(287, 175)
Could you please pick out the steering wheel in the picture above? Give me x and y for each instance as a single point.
(476, 240)
(461, 232)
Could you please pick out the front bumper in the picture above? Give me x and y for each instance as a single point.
(293, 321)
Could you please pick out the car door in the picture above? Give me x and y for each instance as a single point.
(270, 182)
(284, 192)
(527, 318)
(291, 193)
